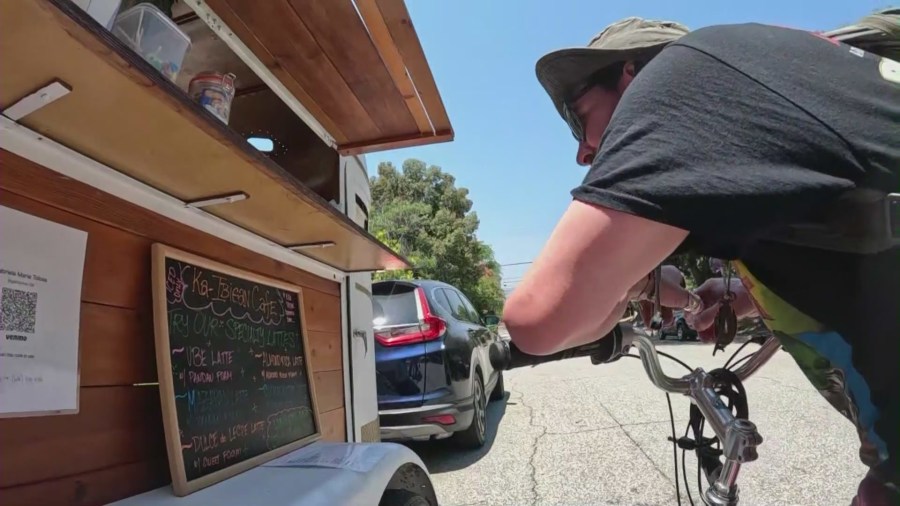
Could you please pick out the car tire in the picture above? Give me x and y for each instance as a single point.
(499, 389)
(680, 332)
(475, 435)
(400, 497)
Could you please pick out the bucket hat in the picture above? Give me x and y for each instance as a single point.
(563, 71)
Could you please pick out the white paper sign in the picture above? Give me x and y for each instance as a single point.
(359, 457)
(41, 267)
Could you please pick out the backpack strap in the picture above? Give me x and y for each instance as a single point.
(862, 221)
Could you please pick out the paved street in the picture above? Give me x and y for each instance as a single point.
(572, 433)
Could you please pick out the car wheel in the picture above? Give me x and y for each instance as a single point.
(475, 435)
(499, 389)
(399, 497)
(680, 332)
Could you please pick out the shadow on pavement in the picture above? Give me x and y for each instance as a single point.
(444, 455)
(738, 340)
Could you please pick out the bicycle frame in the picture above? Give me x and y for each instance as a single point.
(739, 437)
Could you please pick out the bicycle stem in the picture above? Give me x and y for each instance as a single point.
(739, 436)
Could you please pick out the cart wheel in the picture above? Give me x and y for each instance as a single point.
(400, 497)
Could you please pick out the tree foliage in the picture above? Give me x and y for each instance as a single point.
(695, 268)
(421, 214)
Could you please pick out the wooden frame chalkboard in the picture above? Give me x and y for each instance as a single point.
(234, 379)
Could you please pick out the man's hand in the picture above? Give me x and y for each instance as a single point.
(711, 293)
(673, 294)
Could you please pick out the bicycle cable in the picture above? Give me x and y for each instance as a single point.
(736, 353)
(674, 437)
(730, 365)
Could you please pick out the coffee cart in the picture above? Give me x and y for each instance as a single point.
(109, 164)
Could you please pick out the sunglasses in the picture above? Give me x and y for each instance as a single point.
(604, 75)
(573, 121)
(571, 116)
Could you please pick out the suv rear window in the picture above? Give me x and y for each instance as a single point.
(394, 304)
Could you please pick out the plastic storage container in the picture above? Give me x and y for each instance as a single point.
(103, 11)
(151, 34)
(214, 91)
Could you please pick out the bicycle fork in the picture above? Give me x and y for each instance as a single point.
(739, 438)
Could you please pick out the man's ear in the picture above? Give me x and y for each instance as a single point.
(628, 72)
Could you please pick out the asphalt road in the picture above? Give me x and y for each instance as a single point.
(571, 433)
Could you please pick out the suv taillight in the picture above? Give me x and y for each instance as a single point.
(429, 328)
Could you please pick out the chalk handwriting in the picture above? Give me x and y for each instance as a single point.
(175, 284)
(208, 290)
(288, 425)
(238, 367)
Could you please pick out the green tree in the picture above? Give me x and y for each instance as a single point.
(420, 213)
(695, 268)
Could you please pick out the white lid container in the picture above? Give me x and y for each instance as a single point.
(103, 11)
(151, 34)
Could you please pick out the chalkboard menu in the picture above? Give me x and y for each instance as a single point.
(232, 359)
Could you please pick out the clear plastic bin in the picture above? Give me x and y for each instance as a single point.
(151, 34)
(103, 11)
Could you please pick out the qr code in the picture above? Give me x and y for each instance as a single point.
(18, 309)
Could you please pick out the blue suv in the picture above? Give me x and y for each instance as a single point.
(434, 377)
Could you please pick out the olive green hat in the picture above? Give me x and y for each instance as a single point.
(563, 71)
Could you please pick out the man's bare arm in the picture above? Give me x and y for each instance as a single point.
(579, 284)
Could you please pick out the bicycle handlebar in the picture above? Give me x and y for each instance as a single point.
(650, 359)
(682, 385)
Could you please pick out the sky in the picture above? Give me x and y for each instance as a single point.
(511, 150)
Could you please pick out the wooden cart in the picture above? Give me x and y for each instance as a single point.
(95, 138)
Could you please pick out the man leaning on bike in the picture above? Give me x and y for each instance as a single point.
(774, 148)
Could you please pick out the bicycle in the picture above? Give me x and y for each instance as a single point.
(736, 437)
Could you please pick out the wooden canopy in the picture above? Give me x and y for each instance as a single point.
(356, 65)
(126, 115)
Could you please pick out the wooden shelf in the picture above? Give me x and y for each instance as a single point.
(362, 74)
(124, 114)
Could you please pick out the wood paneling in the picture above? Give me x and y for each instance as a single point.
(239, 27)
(115, 426)
(401, 142)
(341, 34)
(403, 32)
(115, 447)
(393, 61)
(80, 200)
(93, 488)
(277, 26)
(329, 390)
(116, 263)
(352, 71)
(325, 351)
(162, 138)
(334, 426)
(116, 346)
(323, 311)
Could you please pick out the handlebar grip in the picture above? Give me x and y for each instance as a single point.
(506, 355)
